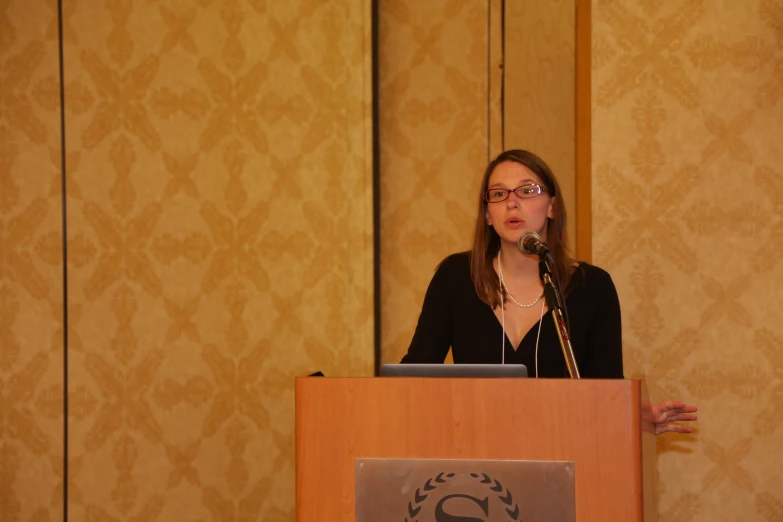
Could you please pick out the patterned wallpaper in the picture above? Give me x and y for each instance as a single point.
(539, 107)
(687, 195)
(433, 66)
(219, 243)
(31, 282)
(220, 234)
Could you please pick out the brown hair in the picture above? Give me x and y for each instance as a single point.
(486, 241)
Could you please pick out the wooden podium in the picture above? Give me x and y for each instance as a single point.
(603, 426)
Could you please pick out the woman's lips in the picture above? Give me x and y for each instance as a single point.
(514, 223)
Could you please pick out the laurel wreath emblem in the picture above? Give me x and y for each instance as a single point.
(494, 485)
(498, 488)
(414, 507)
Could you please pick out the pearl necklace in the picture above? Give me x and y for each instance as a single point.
(511, 297)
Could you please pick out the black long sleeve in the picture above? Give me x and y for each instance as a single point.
(453, 316)
(433, 336)
(603, 356)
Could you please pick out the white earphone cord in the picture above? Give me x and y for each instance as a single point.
(538, 335)
(503, 327)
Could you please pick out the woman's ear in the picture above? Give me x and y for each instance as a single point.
(487, 218)
(551, 213)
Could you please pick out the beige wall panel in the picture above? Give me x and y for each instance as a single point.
(583, 183)
(539, 100)
(31, 266)
(495, 78)
(687, 196)
(221, 239)
(434, 147)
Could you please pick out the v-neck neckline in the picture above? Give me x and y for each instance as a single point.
(522, 340)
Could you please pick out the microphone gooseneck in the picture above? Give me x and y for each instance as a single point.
(530, 243)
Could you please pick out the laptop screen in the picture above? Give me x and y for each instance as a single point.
(453, 370)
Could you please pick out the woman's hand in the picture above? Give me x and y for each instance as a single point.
(666, 413)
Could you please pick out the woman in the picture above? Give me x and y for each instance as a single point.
(487, 305)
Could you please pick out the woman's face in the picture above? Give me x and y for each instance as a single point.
(516, 215)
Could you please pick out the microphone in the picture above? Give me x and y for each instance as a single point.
(530, 243)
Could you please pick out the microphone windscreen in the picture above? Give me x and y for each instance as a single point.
(524, 239)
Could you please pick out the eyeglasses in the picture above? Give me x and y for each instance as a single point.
(497, 195)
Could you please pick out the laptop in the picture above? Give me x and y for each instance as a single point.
(453, 370)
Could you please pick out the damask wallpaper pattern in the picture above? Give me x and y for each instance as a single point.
(434, 128)
(219, 190)
(220, 233)
(687, 195)
(31, 268)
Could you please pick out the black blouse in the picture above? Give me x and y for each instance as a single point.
(453, 316)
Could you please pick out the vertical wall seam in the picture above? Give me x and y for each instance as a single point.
(503, 75)
(376, 190)
(65, 255)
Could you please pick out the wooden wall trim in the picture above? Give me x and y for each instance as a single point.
(583, 116)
